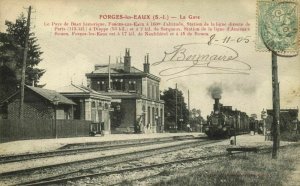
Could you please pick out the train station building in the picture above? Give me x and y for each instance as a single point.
(90, 105)
(136, 105)
(288, 119)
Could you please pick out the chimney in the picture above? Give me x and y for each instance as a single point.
(217, 105)
(146, 64)
(127, 60)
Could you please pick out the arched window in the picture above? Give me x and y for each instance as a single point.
(106, 106)
(118, 84)
(143, 114)
(153, 116)
(132, 85)
(149, 115)
(100, 85)
(93, 104)
(143, 108)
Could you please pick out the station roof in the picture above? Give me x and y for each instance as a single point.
(51, 94)
(117, 69)
(81, 91)
(47, 94)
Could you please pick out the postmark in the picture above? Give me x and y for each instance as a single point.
(278, 27)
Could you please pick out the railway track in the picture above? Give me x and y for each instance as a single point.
(74, 171)
(183, 171)
(160, 173)
(63, 181)
(90, 147)
(82, 167)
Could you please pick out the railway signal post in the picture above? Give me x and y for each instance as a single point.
(270, 20)
(21, 112)
(276, 106)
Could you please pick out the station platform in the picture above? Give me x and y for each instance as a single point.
(44, 145)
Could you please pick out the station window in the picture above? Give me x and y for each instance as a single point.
(100, 85)
(93, 104)
(106, 106)
(117, 84)
(157, 93)
(153, 92)
(132, 85)
(149, 91)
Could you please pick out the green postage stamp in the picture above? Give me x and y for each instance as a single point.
(277, 26)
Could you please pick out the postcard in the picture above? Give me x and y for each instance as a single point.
(92, 58)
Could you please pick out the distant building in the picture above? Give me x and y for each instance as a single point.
(38, 104)
(288, 119)
(90, 105)
(135, 95)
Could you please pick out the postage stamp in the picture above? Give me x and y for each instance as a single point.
(277, 26)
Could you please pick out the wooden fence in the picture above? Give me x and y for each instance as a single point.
(11, 130)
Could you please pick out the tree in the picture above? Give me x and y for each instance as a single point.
(12, 45)
(9, 51)
(169, 96)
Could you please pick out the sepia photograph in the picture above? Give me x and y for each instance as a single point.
(149, 92)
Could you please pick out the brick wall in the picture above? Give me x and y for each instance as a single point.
(39, 110)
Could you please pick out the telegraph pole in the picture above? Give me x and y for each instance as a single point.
(181, 117)
(109, 78)
(24, 65)
(276, 107)
(176, 108)
(189, 106)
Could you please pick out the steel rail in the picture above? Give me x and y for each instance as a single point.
(149, 153)
(92, 148)
(23, 171)
(64, 180)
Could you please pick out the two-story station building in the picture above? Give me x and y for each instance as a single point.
(135, 95)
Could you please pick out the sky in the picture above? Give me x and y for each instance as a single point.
(67, 59)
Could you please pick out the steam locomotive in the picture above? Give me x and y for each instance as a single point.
(224, 122)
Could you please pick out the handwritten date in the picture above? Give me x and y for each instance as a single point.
(228, 39)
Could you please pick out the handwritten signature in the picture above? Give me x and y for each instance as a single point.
(187, 59)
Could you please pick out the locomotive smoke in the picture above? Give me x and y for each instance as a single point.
(215, 90)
